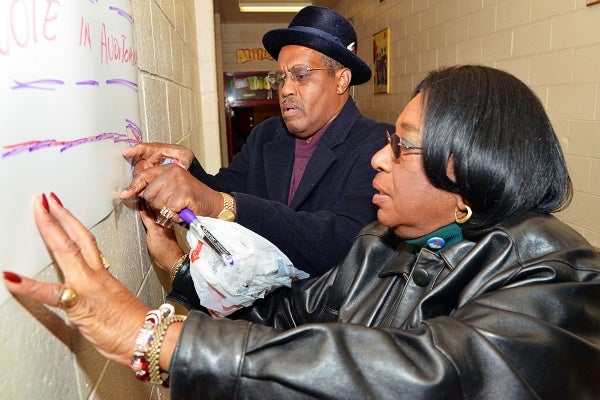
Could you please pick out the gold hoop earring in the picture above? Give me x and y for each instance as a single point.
(465, 218)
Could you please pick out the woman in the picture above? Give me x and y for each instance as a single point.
(466, 288)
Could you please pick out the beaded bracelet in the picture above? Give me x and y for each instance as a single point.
(158, 376)
(139, 361)
(177, 266)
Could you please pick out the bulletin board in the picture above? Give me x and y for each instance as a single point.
(68, 108)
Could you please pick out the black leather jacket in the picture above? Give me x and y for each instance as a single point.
(515, 315)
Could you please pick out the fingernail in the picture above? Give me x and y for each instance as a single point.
(45, 202)
(55, 199)
(12, 277)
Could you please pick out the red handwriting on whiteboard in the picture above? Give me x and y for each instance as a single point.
(25, 22)
(84, 35)
(116, 48)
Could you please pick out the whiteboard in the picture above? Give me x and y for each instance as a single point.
(68, 107)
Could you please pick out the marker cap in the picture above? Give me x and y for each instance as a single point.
(187, 215)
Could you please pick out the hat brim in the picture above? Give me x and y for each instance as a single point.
(275, 39)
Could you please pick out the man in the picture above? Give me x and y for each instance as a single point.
(302, 181)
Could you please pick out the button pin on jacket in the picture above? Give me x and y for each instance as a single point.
(435, 243)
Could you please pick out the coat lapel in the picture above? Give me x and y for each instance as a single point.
(324, 156)
(279, 158)
(279, 161)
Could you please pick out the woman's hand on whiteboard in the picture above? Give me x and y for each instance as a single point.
(147, 155)
(106, 313)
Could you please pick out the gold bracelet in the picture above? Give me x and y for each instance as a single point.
(158, 376)
(177, 266)
(228, 211)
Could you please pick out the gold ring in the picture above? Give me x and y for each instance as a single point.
(167, 213)
(68, 297)
(105, 262)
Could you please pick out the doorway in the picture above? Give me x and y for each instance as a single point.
(249, 100)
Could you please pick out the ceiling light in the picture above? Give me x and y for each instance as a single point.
(265, 6)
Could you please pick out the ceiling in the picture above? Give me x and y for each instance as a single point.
(230, 12)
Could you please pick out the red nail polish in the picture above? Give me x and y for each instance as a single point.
(45, 202)
(55, 199)
(12, 277)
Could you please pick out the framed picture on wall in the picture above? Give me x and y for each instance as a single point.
(592, 2)
(381, 63)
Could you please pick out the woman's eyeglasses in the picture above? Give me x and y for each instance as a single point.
(401, 146)
(299, 74)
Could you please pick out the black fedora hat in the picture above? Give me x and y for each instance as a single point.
(325, 31)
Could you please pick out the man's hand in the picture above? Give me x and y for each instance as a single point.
(173, 187)
(148, 155)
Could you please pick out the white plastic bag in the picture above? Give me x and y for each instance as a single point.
(258, 267)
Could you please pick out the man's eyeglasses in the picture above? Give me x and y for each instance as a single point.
(299, 74)
(401, 146)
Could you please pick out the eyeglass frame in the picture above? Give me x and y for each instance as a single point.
(273, 81)
(396, 142)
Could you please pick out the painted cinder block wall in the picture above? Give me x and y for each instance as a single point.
(552, 45)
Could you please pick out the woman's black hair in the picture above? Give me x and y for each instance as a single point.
(507, 158)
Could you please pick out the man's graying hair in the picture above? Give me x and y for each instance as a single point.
(330, 63)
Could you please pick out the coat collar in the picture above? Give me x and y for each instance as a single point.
(279, 157)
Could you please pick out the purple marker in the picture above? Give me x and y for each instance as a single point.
(203, 233)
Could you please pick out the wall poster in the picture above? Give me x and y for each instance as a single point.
(381, 44)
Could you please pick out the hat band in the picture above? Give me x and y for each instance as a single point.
(320, 32)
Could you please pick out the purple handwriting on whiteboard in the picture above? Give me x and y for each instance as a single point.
(88, 83)
(34, 145)
(51, 84)
(122, 13)
(38, 84)
(124, 82)
(134, 129)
